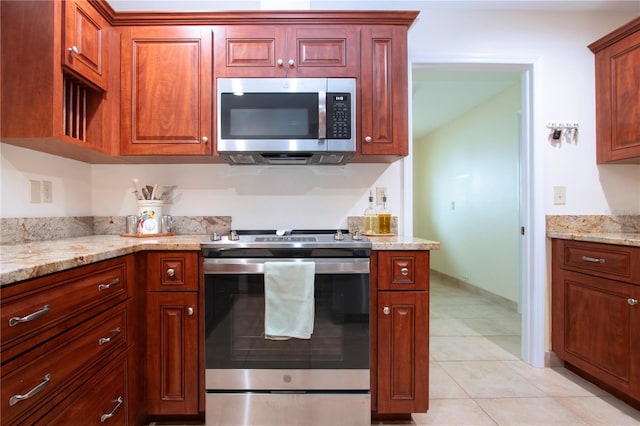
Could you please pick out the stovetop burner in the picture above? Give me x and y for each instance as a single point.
(290, 239)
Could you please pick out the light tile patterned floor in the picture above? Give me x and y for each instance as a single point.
(477, 378)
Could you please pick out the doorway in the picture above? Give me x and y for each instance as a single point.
(476, 196)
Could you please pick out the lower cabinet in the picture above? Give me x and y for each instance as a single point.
(172, 349)
(400, 344)
(596, 312)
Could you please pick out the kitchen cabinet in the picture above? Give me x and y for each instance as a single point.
(173, 334)
(384, 92)
(617, 66)
(287, 51)
(59, 332)
(166, 86)
(85, 42)
(595, 312)
(400, 330)
(55, 100)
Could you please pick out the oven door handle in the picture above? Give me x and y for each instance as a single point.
(256, 266)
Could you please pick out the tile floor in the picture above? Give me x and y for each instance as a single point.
(477, 377)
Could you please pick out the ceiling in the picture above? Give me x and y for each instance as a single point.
(440, 94)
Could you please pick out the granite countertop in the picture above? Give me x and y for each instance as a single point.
(30, 260)
(619, 238)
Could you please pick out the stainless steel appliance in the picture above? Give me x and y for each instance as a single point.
(251, 380)
(286, 121)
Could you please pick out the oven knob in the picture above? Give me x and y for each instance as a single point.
(339, 236)
(233, 236)
(357, 236)
(215, 237)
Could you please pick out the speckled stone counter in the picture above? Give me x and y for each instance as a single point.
(19, 262)
(30, 260)
(623, 239)
(622, 230)
(403, 243)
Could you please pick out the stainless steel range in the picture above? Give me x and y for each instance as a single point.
(253, 378)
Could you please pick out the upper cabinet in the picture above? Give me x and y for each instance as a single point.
(617, 60)
(287, 51)
(85, 42)
(54, 99)
(166, 91)
(384, 91)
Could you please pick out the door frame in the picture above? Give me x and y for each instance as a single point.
(533, 270)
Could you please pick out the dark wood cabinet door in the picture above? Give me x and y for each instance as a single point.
(383, 86)
(250, 51)
(172, 353)
(327, 51)
(618, 96)
(85, 46)
(595, 327)
(166, 91)
(403, 352)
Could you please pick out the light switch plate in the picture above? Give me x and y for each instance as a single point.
(35, 191)
(559, 195)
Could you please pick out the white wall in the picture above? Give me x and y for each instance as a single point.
(466, 194)
(557, 40)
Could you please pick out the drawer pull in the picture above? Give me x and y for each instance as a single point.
(592, 259)
(13, 321)
(404, 271)
(190, 310)
(632, 302)
(171, 272)
(104, 340)
(386, 310)
(17, 398)
(108, 286)
(105, 417)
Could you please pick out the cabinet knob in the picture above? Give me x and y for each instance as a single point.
(171, 272)
(404, 271)
(386, 310)
(205, 139)
(190, 310)
(74, 49)
(632, 302)
(291, 62)
(368, 139)
(280, 62)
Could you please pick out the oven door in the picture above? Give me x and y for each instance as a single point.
(239, 358)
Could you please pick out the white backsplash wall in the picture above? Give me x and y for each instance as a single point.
(254, 196)
(71, 182)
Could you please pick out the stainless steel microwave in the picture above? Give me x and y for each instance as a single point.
(286, 121)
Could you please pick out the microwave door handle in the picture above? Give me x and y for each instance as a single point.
(322, 115)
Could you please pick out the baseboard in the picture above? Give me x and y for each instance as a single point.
(500, 300)
(551, 360)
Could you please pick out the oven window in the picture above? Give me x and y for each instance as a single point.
(234, 325)
(269, 116)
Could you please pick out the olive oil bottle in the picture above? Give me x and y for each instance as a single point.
(370, 217)
(384, 218)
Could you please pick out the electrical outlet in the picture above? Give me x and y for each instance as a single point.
(47, 191)
(35, 191)
(559, 195)
(380, 192)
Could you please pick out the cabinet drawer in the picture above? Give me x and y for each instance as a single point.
(173, 271)
(403, 270)
(103, 400)
(611, 260)
(38, 375)
(35, 308)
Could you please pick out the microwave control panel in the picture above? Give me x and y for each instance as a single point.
(338, 116)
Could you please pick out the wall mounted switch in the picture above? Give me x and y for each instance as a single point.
(380, 192)
(559, 195)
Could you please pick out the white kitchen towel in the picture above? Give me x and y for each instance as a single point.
(288, 300)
